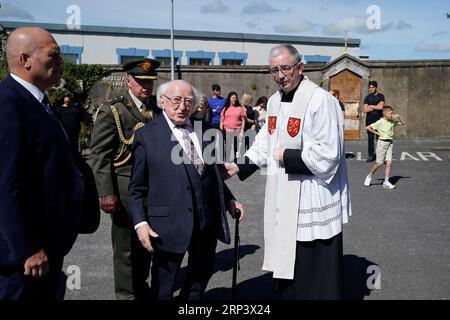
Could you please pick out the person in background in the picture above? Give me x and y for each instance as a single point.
(203, 112)
(250, 121)
(260, 111)
(72, 116)
(384, 129)
(336, 93)
(373, 105)
(216, 103)
(232, 124)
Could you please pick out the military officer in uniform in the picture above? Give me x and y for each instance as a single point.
(112, 137)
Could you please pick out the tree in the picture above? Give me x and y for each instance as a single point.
(77, 81)
(3, 64)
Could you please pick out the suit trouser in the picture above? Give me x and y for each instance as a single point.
(130, 259)
(200, 267)
(14, 285)
(131, 265)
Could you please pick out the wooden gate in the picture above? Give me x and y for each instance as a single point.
(349, 86)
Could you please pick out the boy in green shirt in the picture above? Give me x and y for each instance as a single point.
(384, 129)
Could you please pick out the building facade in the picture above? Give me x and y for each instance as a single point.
(116, 45)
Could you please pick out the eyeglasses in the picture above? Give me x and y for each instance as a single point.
(284, 69)
(177, 100)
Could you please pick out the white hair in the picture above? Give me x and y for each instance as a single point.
(276, 51)
(163, 88)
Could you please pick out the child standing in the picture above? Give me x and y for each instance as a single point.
(384, 129)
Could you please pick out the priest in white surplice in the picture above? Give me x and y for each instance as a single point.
(301, 148)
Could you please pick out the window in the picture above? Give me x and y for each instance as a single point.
(127, 54)
(163, 56)
(232, 58)
(231, 62)
(71, 53)
(199, 62)
(317, 59)
(200, 58)
(166, 61)
(125, 59)
(70, 57)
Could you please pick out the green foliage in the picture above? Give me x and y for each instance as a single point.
(79, 80)
(3, 69)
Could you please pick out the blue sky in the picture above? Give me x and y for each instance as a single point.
(409, 29)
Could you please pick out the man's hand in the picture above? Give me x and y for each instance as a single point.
(278, 154)
(36, 265)
(144, 233)
(232, 205)
(109, 203)
(230, 170)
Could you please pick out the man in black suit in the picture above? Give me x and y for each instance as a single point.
(176, 197)
(41, 186)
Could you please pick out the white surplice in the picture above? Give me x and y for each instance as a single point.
(302, 207)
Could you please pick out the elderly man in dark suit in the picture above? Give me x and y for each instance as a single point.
(111, 142)
(41, 185)
(177, 206)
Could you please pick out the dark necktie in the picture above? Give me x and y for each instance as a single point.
(48, 108)
(47, 105)
(146, 111)
(191, 151)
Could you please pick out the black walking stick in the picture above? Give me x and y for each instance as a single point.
(237, 215)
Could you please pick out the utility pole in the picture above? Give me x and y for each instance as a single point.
(172, 58)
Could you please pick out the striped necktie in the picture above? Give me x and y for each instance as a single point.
(191, 152)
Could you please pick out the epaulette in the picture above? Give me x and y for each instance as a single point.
(116, 99)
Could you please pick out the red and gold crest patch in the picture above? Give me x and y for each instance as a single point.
(293, 126)
(147, 66)
(272, 124)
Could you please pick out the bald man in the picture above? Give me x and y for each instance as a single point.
(177, 207)
(41, 185)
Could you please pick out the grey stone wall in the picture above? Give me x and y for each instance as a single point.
(419, 90)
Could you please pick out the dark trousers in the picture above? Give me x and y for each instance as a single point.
(14, 285)
(371, 141)
(131, 265)
(131, 259)
(200, 267)
(318, 274)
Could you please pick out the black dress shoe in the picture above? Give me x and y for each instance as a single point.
(370, 159)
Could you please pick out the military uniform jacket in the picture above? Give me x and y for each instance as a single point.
(111, 141)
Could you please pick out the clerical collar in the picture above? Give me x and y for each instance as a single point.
(288, 97)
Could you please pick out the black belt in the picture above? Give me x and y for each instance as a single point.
(387, 140)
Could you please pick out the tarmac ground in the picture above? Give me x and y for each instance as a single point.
(396, 244)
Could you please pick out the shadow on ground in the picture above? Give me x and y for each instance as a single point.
(224, 262)
(356, 277)
(392, 179)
